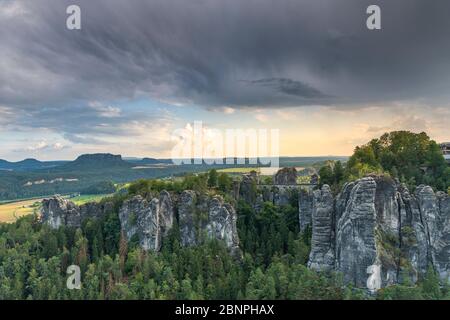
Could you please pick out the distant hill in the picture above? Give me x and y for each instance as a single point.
(97, 161)
(28, 165)
(89, 171)
(152, 161)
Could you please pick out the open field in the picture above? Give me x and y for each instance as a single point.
(9, 212)
(240, 170)
(88, 198)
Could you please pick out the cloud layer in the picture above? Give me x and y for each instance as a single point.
(221, 55)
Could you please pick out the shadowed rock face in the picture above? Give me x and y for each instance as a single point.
(305, 208)
(322, 244)
(355, 239)
(166, 212)
(58, 211)
(202, 216)
(222, 223)
(150, 220)
(414, 234)
(282, 195)
(278, 195)
(186, 214)
(285, 176)
(142, 218)
(198, 216)
(379, 225)
(248, 187)
(441, 245)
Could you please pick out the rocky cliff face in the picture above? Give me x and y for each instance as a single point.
(278, 195)
(322, 244)
(375, 231)
(150, 220)
(305, 208)
(247, 189)
(355, 234)
(285, 176)
(221, 224)
(141, 218)
(201, 217)
(375, 228)
(58, 211)
(187, 212)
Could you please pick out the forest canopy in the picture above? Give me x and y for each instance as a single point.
(413, 158)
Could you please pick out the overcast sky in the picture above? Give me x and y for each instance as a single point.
(140, 69)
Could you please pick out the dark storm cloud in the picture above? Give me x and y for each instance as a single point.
(290, 87)
(239, 53)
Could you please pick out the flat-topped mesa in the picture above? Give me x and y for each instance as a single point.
(285, 176)
(58, 211)
(202, 217)
(377, 225)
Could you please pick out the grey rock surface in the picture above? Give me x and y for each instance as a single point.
(186, 213)
(202, 217)
(355, 239)
(305, 208)
(166, 212)
(285, 176)
(379, 225)
(321, 257)
(282, 195)
(150, 220)
(222, 223)
(140, 218)
(248, 187)
(58, 211)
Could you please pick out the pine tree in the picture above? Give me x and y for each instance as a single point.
(212, 178)
(123, 250)
(430, 285)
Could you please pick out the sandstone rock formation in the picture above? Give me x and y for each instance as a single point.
(166, 212)
(187, 213)
(148, 220)
(375, 230)
(441, 244)
(285, 176)
(221, 224)
(282, 195)
(58, 211)
(376, 224)
(322, 244)
(248, 187)
(305, 208)
(200, 216)
(355, 234)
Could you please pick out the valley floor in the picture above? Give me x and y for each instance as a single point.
(9, 212)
